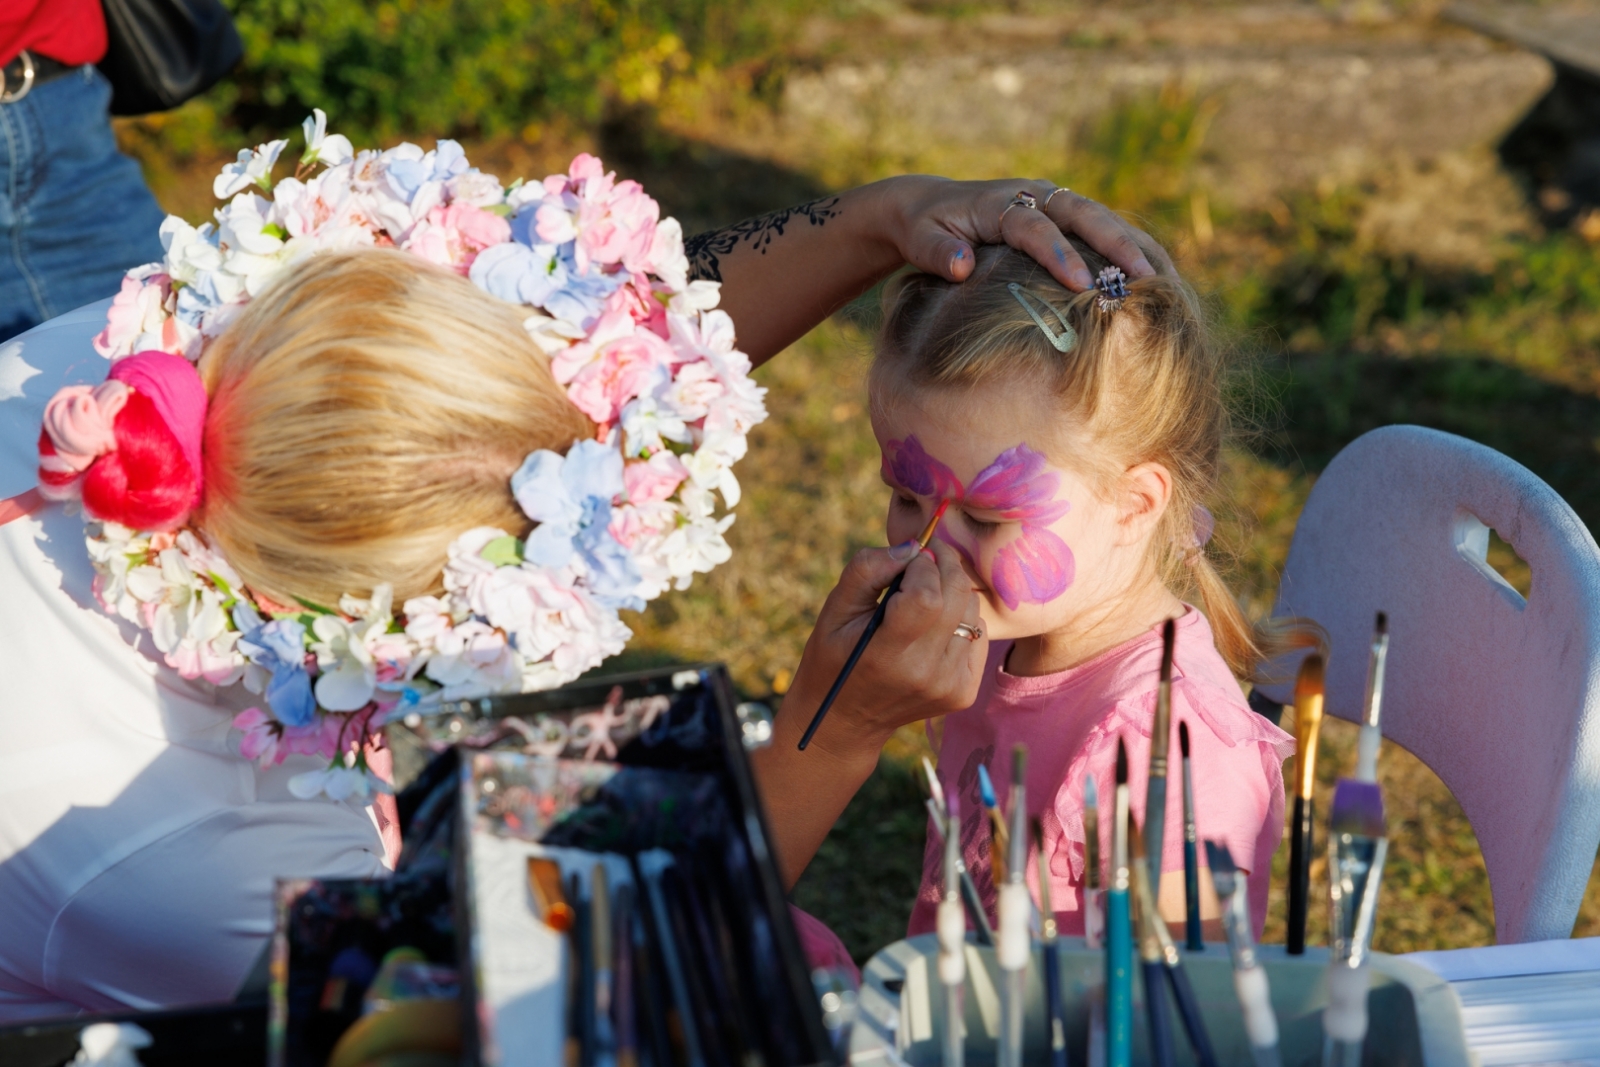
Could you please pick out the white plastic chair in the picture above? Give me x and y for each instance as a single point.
(1500, 697)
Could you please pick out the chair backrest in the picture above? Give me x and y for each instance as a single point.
(1500, 697)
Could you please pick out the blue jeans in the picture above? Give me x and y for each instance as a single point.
(75, 213)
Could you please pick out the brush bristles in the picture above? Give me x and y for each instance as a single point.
(1183, 739)
(1357, 808)
(1310, 682)
(1223, 869)
(1122, 761)
(1019, 764)
(1038, 834)
(1091, 794)
(1382, 626)
(986, 791)
(1169, 637)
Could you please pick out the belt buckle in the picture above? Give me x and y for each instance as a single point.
(8, 96)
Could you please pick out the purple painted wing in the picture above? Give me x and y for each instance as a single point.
(915, 471)
(1018, 486)
(1037, 567)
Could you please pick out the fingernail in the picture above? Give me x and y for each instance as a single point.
(961, 253)
(929, 553)
(1144, 265)
(1083, 279)
(901, 553)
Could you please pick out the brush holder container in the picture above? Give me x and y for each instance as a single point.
(1415, 1017)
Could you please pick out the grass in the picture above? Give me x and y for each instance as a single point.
(1345, 336)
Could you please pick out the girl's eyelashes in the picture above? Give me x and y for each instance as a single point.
(979, 526)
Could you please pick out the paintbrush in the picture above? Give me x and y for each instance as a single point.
(1093, 919)
(1015, 909)
(872, 628)
(600, 934)
(1249, 977)
(969, 891)
(1191, 858)
(999, 836)
(1155, 793)
(624, 994)
(1150, 961)
(1156, 939)
(1050, 957)
(1307, 728)
(1371, 737)
(952, 928)
(1119, 932)
(1357, 847)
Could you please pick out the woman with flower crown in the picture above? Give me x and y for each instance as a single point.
(386, 432)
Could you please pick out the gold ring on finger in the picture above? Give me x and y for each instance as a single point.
(971, 631)
(1058, 189)
(1022, 199)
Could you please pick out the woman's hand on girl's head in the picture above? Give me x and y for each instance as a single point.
(916, 666)
(938, 221)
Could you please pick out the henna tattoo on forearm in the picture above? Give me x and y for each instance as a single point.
(705, 250)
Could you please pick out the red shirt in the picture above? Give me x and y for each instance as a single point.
(71, 31)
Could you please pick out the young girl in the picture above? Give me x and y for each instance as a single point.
(1076, 437)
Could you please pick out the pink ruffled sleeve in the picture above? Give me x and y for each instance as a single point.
(1237, 757)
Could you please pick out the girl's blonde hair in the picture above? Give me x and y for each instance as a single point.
(1143, 382)
(365, 411)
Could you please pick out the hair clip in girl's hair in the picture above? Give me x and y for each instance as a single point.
(1113, 287)
(1064, 341)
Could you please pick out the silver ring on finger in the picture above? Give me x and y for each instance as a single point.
(1023, 199)
(971, 631)
(1058, 189)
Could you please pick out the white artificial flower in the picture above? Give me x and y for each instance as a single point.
(348, 667)
(338, 782)
(320, 147)
(647, 420)
(251, 168)
(698, 295)
(190, 252)
(475, 188)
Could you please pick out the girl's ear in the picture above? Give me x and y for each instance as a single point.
(1146, 491)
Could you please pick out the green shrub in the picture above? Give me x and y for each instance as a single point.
(476, 67)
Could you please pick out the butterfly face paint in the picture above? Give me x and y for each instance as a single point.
(1034, 567)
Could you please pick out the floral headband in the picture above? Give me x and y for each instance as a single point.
(640, 349)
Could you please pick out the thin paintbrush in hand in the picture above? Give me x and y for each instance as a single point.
(872, 628)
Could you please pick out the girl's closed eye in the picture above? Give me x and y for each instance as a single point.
(981, 527)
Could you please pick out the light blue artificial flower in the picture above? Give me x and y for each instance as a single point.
(528, 271)
(279, 647)
(409, 174)
(570, 498)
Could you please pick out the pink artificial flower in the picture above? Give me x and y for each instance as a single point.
(605, 375)
(139, 311)
(632, 523)
(654, 479)
(453, 236)
(261, 736)
(317, 738)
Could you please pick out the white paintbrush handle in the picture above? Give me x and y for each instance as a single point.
(1094, 920)
(952, 927)
(1367, 745)
(1345, 1019)
(1260, 1023)
(1015, 906)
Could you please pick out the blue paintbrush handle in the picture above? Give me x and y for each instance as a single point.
(855, 657)
(1191, 897)
(1052, 1002)
(1155, 820)
(1194, 1024)
(1155, 1002)
(1119, 981)
(980, 918)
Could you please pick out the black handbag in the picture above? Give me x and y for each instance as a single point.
(162, 52)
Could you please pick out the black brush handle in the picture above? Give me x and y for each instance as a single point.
(1194, 1024)
(855, 657)
(1155, 1003)
(1299, 874)
(980, 918)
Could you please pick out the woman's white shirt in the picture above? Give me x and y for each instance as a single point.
(138, 849)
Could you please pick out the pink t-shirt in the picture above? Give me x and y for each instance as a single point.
(1070, 722)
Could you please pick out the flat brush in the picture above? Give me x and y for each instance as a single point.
(1155, 793)
(1119, 931)
(1193, 940)
(1151, 964)
(969, 890)
(999, 835)
(1050, 956)
(1371, 737)
(1249, 977)
(1357, 847)
(1015, 950)
(1308, 728)
(872, 628)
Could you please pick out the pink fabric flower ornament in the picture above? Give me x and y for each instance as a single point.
(79, 421)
